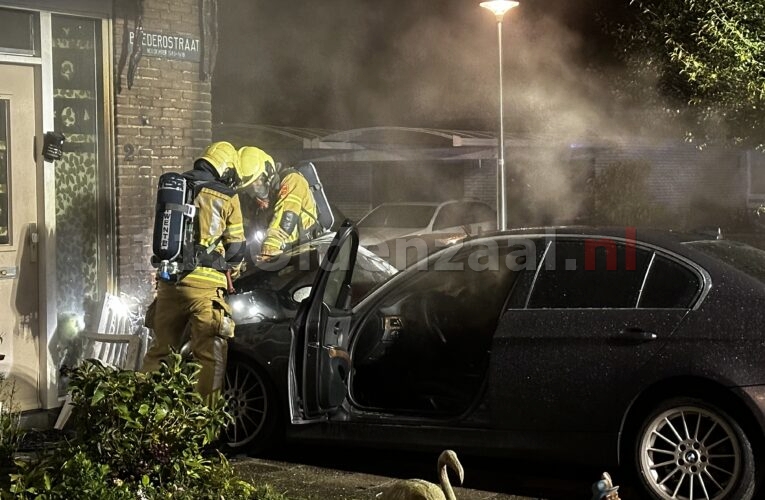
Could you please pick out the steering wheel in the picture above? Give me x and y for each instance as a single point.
(433, 318)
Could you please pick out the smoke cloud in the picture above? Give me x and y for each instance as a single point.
(342, 64)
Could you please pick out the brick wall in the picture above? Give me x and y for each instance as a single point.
(162, 123)
(347, 186)
(698, 187)
(481, 182)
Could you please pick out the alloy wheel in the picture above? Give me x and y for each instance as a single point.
(690, 453)
(248, 403)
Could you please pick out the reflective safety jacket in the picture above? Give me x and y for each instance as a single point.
(219, 230)
(295, 215)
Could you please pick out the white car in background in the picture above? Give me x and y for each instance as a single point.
(389, 221)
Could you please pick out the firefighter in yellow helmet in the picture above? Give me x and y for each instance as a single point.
(286, 192)
(194, 296)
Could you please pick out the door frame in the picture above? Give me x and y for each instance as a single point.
(319, 362)
(46, 206)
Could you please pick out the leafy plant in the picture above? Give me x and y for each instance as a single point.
(11, 432)
(267, 492)
(136, 435)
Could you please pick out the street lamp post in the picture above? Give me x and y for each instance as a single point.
(499, 7)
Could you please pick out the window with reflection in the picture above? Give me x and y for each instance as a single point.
(82, 221)
(590, 273)
(19, 32)
(4, 141)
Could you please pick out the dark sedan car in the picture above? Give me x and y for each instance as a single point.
(592, 345)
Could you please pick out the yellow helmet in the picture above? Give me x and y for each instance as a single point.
(222, 156)
(254, 162)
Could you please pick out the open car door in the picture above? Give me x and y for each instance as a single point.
(319, 359)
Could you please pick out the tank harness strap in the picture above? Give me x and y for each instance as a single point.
(188, 210)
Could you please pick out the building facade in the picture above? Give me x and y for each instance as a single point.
(127, 112)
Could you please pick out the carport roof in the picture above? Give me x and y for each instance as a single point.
(390, 143)
(384, 143)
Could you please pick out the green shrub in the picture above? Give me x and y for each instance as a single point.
(136, 435)
(10, 423)
(266, 492)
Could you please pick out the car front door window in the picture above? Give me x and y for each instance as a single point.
(425, 346)
(452, 215)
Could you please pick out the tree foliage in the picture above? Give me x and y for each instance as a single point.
(706, 54)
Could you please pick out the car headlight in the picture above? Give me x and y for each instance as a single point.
(245, 309)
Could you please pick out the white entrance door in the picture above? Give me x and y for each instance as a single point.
(19, 319)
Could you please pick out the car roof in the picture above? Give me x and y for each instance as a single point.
(641, 233)
(670, 239)
(431, 203)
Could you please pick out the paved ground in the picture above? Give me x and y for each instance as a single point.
(315, 472)
(311, 482)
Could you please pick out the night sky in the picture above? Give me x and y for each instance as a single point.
(348, 63)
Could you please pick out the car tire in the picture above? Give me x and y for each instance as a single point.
(687, 443)
(252, 402)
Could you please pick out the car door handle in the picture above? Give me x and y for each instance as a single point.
(637, 335)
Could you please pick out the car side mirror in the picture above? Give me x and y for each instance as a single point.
(301, 294)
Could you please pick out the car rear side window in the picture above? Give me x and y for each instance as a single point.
(669, 285)
(590, 273)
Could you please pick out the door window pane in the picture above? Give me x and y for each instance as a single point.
(463, 214)
(669, 285)
(590, 274)
(4, 206)
(449, 216)
(19, 33)
(82, 222)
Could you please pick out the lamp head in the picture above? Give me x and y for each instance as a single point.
(499, 7)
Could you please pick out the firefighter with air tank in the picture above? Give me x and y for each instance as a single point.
(199, 245)
(293, 197)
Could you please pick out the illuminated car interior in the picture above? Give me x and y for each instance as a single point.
(425, 347)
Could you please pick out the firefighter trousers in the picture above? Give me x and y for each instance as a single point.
(206, 316)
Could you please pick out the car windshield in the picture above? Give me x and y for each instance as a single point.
(743, 257)
(404, 215)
